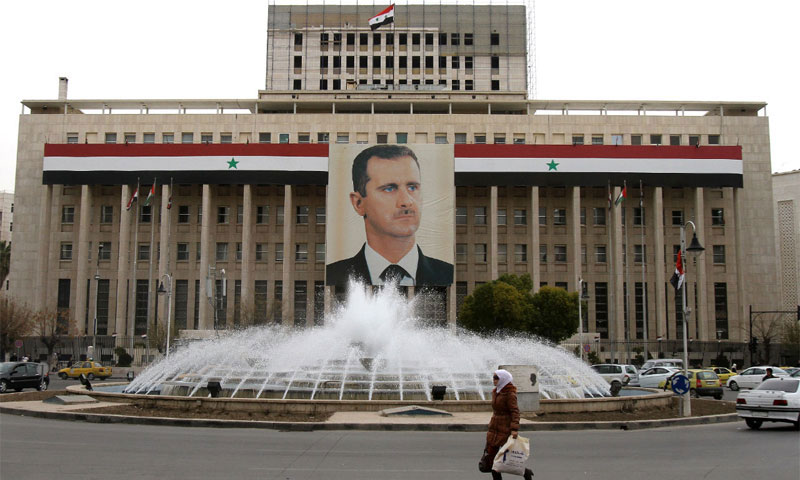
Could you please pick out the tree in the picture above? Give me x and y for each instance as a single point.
(16, 321)
(5, 260)
(47, 326)
(555, 313)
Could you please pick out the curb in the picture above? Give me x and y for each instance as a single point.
(318, 426)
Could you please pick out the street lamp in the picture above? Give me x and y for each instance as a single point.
(96, 299)
(694, 249)
(161, 291)
(581, 297)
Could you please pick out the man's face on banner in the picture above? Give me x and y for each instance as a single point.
(393, 205)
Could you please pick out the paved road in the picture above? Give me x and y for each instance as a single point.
(32, 448)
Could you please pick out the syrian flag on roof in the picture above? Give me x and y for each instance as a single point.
(679, 275)
(134, 197)
(623, 194)
(384, 18)
(150, 195)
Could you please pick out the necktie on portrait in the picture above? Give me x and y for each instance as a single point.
(394, 272)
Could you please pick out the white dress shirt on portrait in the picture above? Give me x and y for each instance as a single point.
(377, 264)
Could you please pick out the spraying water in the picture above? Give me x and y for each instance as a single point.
(372, 348)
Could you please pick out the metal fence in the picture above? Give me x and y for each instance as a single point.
(101, 349)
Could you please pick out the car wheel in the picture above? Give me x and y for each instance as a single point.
(62, 376)
(718, 396)
(90, 376)
(3, 386)
(42, 385)
(753, 423)
(693, 393)
(734, 386)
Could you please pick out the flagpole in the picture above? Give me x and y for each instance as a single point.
(627, 292)
(610, 252)
(644, 270)
(132, 297)
(150, 260)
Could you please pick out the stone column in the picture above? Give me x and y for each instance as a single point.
(81, 295)
(206, 311)
(248, 262)
(42, 262)
(702, 316)
(165, 258)
(738, 328)
(574, 235)
(493, 233)
(659, 262)
(618, 272)
(533, 257)
(452, 305)
(123, 259)
(287, 303)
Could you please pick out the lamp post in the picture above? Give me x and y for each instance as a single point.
(96, 299)
(581, 297)
(161, 291)
(694, 249)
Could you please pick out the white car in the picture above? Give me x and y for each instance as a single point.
(752, 377)
(618, 373)
(653, 377)
(775, 400)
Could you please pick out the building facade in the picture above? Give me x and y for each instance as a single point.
(786, 188)
(6, 216)
(266, 228)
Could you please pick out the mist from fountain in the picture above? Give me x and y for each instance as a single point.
(373, 347)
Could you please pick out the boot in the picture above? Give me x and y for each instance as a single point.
(528, 475)
(496, 475)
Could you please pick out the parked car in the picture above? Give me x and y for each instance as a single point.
(92, 370)
(653, 377)
(19, 375)
(791, 370)
(775, 400)
(723, 373)
(702, 383)
(619, 373)
(752, 377)
(662, 362)
(796, 374)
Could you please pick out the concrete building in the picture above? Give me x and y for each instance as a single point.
(786, 189)
(266, 228)
(6, 216)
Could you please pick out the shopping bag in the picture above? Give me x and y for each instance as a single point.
(512, 456)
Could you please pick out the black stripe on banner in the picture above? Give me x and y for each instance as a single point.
(183, 176)
(385, 21)
(598, 179)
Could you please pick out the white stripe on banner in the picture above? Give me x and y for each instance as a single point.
(199, 163)
(609, 165)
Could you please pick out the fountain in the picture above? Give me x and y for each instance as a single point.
(372, 348)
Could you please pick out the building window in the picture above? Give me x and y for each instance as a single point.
(106, 214)
(713, 139)
(577, 139)
(222, 214)
(542, 215)
(655, 139)
(597, 139)
(599, 216)
(502, 253)
(521, 253)
(297, 84)
(198, 248)
(261, 252)
(559, 216)
(636, 139)
(480, 138)
(461, 215)
(283, 138)
(560, 253)
(222, 252)
(206, 138)
(616, 139)
(183, 213)
(542, 253)
(302, 215)
(144, 251)
(480, 215)
(480, 253)
(187, 137)
(721, 309)
(440, 138)
(719, 254)
(279, 215)
(495, 85)
(520, 216)
(601, 308)
(501, 216)
(239, 214)
(130, 138)
(402, 137)
(279, 252)
(320, 216)
(455, 39)
(262, 214)
(455, 63)
(104, 251)
(238, 251)
(468, 85)
(499, 138)
(461, 253)
(298, 39)
(323, 137)
(717, 217)
(600, 254)
(300, 299)
(467, 39)
(146, 214)
(319, 252)
(301, 252)
(111, 138)
(495, 38)
(677, 218)
(342, 138)
(66, 251)
(183, 252)
(264, 137)
(639, 253)
(72, 138)
(67, 214)
(638, 216)
(167, 138)
(674, 140)
(583, 216)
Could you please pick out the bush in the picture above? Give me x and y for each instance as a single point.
(123, 358)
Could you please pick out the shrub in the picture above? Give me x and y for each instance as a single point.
(123, 358)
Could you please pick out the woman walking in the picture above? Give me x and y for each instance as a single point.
(504, 422)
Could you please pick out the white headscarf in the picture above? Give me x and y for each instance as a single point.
(504, 379)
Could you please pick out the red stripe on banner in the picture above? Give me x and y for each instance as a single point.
(384, 11)
(597, 151)
(185, 150)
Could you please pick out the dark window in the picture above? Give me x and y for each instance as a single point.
(298, 39)
(495, 39)
(362, 62)
(260, 304)
(455, 64)
(415, 62)
(363, 38)
(403, 62)
(455, 39)
(467, 39)
(181, 304)
(428, 62)
(428, 39)
(721, 309)
(323, 62)
(415, 38)
(351, 38)
(376, 39)
(403, 39)
(298, 62)
(351, 62)
(442, 39)
(140, 314)
(319, 303)
(297, 85)
(495, 84)
(495, 61)
(442, 61)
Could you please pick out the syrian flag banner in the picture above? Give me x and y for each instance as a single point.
(169, 201)
(679, 275)
(384, 18)
(134, 198)
(623, 194)
(150, 195)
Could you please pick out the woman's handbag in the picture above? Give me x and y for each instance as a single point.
(485, 464)
(512, 456)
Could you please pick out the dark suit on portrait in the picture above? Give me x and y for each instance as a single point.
(430, 271)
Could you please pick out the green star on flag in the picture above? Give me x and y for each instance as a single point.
(232, 164)
(553, 166)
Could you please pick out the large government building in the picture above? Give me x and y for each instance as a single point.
(234, 201)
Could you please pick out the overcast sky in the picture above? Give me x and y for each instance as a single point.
(711, 50)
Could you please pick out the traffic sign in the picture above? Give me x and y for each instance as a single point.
(680, 384)
(587, 348)
(18, 343)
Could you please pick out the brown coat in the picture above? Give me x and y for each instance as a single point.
(505, 416)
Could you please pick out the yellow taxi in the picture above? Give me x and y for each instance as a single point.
(702, 383)
(91, 369)
(723, 373)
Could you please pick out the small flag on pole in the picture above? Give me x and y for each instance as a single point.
(623, 194)
(679, 275)
(384, 18)
(150, 195)
(134, 198)
(169, 200)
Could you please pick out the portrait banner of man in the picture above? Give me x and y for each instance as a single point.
(390, 214)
